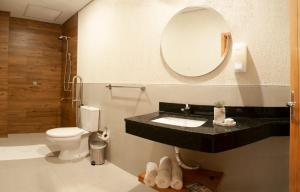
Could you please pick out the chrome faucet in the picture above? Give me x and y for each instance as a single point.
(186, 109)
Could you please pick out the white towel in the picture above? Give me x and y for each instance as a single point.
(151, 173)
(163, 178)
(176, 182)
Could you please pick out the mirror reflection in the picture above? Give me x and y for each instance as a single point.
(195, 41)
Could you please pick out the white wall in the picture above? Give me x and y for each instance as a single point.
(119, 41)
(258, 167)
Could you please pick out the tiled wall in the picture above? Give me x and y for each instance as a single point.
(31, 73)
(69, 28)
(4, 36)
(34, 76)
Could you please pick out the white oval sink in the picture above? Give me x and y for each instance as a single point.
(182, 122)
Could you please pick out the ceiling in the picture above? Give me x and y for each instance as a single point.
(52, 11)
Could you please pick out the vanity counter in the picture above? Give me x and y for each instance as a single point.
(209, 137)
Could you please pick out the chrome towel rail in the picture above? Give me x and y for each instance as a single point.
(110, 86)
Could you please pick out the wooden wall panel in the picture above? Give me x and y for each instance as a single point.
(34, 56)
(69, 28)
(4, 36)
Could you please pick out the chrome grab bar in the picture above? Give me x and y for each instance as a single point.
(77, 100)
(110, 86)
(74, 94)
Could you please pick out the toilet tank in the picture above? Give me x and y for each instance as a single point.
(89, 118)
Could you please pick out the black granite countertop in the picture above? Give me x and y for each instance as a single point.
(253, 124)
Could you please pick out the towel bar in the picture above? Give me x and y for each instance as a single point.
(110, 86)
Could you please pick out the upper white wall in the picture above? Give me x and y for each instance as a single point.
(119, 41)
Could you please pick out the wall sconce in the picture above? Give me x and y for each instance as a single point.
(239, 57)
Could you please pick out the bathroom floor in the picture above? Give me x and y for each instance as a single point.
(24, 166)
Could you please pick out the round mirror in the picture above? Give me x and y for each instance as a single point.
(195, 41)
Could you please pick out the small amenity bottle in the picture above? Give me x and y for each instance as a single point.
(219, 112)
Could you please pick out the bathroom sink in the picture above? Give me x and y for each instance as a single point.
(196, 131)
(182, 122)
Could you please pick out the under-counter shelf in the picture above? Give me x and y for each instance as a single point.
(253, 124)
(210, 179)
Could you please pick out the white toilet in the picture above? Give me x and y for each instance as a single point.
(73, 141)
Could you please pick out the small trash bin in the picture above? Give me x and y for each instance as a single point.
(97, 152)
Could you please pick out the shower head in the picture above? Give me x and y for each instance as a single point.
(62, 37)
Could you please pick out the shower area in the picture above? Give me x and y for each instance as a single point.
(37, 63)
(69, 68)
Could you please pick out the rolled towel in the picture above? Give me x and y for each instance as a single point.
(176, 182)
(151, 173)
(164, 174)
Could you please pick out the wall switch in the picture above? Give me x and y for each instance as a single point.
(35, 83)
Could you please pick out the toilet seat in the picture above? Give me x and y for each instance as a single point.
(65, 132)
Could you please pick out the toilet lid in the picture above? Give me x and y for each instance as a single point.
(65, 132)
